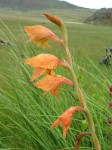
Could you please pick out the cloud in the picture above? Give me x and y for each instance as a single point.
(92, 3)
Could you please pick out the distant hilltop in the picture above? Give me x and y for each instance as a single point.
(36, 4)
(101, 16)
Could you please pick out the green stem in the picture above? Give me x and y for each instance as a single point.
(92, 129)
(68, 57)
(65, 44)
(79, 92)
(87, 113)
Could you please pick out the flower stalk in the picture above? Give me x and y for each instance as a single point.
(65, 43)
(46, 63)
(80, 94)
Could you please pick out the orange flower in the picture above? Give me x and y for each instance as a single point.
(41, 35)
(51, 83)
(43, 63)
(66, 118)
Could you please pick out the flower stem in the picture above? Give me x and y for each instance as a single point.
(92, 128)
(87, 113)
(65, 44)
(80, 94)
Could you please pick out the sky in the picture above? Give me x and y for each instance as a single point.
(97, 4)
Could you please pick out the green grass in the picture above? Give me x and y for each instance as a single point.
(74, 15)
(26, 115)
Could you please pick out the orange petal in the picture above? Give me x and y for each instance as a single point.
(51, 83)
(30, 30)
(46, 45)
(50, 72)
(56, 123)
(65, 129)
(42, 43)
(54, 19)
(66, 118)
(41, 33)
(37, 72)
(46, 61)
(55, 92)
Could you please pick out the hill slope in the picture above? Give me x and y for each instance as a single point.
(35, 4)
(102, 16)
(34, 8)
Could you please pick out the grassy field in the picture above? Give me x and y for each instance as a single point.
(75, 15)
(26, 115)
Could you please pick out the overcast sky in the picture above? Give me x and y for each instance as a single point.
(92, 3)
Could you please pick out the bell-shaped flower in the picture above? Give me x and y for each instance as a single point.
(41, 35)
(51, 83)
(65, 119)
(43, 63)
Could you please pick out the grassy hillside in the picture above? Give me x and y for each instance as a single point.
(102, 16)
(68, 15)
(35, 4)
(34, 9)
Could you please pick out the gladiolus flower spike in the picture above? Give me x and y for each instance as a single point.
(46, 63)
(41, 35)
(51, 83)
(65, 119)
(43, 63)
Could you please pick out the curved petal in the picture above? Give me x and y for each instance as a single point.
(46, 61)
(52, 83)
(42, 42)
(41, 34)
(56, 123)
(55, 92)
(66, 118)
(65, 129)
(37, 72)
